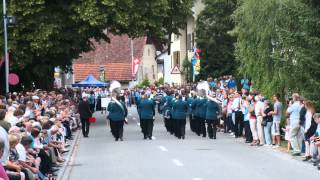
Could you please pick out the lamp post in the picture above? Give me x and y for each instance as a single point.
(6, 58)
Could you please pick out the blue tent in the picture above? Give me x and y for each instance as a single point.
(90, 81)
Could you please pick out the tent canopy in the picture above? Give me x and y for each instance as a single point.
(90, 81)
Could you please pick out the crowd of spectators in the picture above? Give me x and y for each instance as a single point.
(35, 128)
(247, 113)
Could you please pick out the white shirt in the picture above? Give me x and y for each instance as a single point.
(6, 150)
(259, 107)
(14, 121)
(22, 152)
(308, 117)
(236, 106)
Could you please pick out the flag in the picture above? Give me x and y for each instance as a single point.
(134, 66)
(196, 61)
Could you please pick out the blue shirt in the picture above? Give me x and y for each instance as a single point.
(232, 84)
(294, 111)
(245, 83)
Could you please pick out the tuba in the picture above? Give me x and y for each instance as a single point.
(115, 88)
(203, 88)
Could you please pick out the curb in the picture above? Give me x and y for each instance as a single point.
(68, 162)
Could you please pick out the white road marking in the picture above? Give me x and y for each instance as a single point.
(196, 179)
(162, 148)
(153, 138)
(130, 114)
(134, 118)
(138, 124)
(177, 162)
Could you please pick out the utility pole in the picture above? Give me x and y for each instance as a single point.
(6, 57)
(132, 63)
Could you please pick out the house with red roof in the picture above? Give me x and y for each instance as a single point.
(112, 61)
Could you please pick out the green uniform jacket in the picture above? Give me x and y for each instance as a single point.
(146, 109)
(116, 113)
(201, 108)
(213, 110)
(179, 110)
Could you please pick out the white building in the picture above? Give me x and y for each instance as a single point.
(182, 45)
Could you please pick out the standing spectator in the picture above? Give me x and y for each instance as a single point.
(3, 174)
(253, 121)
(246, 118)
(309, 125)
(85, 113)
(277, 114)
(92, 101)
(267, 117)
(259, 108)
(236, 107)
(294, 114)
(232, 83)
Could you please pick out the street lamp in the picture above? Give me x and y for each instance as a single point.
(7, 20)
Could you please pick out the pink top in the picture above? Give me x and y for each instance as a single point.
(3, 173)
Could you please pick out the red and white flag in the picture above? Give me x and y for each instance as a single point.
(135, 65)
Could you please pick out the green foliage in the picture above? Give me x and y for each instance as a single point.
(216, 44)
(145, 82)
(278, 45)
(187, 70)
(159, 82)
(52, 33)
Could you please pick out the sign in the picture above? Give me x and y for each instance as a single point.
(104, 102)
(13, 79)
(176, 70)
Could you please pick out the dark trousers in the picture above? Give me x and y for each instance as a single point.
(46, 162)
(238, 126)
(248, 132)
(202, 127)
(147, 127)
(180, 128)
(225, 125)
(66, 124)
(170, 124)
(166, 124)
(92, 107)
(85, 126)
(212, 128)
(191, 121)
(230, 123)
(196, 124)
(117, 129)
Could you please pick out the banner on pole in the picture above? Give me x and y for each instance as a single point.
(134, 66)
(196, 62)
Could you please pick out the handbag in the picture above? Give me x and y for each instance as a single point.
(264, 122)
(92, 120)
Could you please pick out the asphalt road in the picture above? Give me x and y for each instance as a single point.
(99, 157)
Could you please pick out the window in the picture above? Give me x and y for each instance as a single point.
(153, 74)
(190, 41)
(176, 37)
(176, 58)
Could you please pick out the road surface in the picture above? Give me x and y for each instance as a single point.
(99, 157)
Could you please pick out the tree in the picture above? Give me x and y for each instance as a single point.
(52, 33)
(278, 45)
(214, 40)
